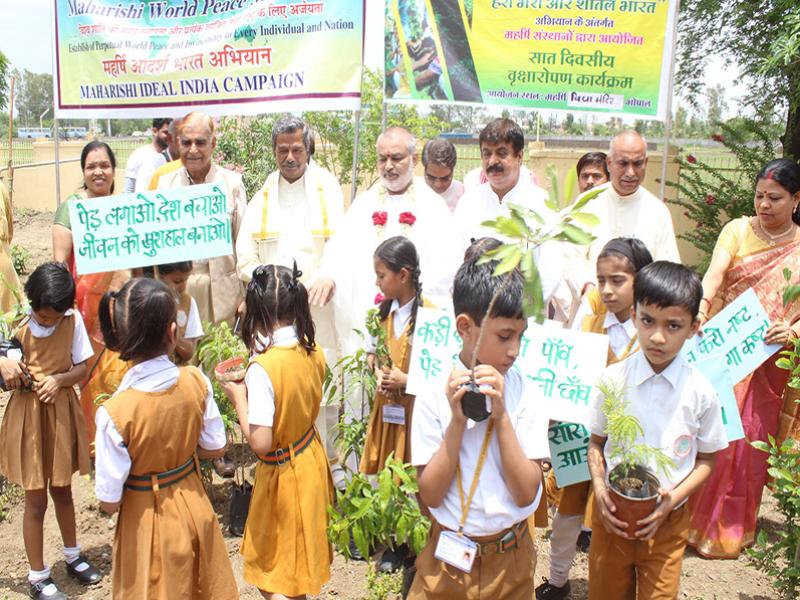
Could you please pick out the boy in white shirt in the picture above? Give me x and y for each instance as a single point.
(680, 413)
(481, 479)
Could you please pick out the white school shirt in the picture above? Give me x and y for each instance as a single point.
(112, 460)
(260, 393)
(483, 204)
(493, 509)
(402, 315)
(678, 408)
(81, 349)
(619, 334)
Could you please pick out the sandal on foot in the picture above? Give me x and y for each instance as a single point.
(46, 590)
(88, 575)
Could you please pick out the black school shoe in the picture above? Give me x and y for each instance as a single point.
(547, 591)
(584, 540)
(88, 576)
(46, 590)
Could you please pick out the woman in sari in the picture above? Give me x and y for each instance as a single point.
(105, 369)
(751, 252)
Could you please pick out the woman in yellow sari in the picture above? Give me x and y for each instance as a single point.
(751, 252)
(105, 369)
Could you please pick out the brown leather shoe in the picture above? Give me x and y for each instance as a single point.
(224, 467)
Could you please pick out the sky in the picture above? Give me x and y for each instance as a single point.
(25, 38)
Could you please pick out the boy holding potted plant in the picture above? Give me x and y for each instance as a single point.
(477, 446)
(670, 425)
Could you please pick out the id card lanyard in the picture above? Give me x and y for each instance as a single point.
(465, 504)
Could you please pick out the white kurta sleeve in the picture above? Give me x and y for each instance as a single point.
(112, 461)
(81, 344)
(246, 246)
(666, 245)
(212, 434)
(239, 207)
(194, 327)
(260, 396)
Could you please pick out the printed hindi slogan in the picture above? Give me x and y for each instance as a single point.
(221, 56)
(151, 228)
(595, 55)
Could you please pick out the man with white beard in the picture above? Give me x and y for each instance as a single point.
(398, 204)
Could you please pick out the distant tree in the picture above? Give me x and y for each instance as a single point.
(717, 105)
(762, 37)
(34, 95)
(4, 74)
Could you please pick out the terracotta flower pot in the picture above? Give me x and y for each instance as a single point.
(633, 505)
(232, 369)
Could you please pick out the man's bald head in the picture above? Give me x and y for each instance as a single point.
(396, 150)
(399, 134)
(627, 161)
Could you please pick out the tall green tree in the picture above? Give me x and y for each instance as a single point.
(4, 73)
(34, 95)
(744, 32)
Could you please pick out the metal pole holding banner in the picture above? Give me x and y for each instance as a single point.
(55, 158)
(670, 90)
(356, 128)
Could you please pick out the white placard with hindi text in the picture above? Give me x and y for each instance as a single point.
(735, 337)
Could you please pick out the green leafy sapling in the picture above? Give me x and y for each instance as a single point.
(623, 429)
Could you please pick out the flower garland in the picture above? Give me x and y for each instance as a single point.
(406, 218)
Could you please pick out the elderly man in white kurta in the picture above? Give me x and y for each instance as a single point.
(398, 204)
(502, 144)
(290, 219)
(626, 209)
(214, 283)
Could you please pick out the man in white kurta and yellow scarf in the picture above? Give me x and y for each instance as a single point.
(290, 219)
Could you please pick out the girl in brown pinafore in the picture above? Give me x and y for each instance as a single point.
(43, 435)
(150, 435)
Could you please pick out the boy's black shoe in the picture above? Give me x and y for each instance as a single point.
(46, 590)
(393, 559)
(547, 591)
(584, 539)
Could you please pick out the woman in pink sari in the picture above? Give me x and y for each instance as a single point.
(751, 252)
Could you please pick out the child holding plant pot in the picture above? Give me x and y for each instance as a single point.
(608, 311)
(681, 420)
(480, 475)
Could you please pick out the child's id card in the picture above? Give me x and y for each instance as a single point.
(394, 414)
(456, 550)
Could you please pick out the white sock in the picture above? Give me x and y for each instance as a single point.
(71, 555)
(36, 576)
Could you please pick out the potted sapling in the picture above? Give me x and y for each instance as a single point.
(633, 481)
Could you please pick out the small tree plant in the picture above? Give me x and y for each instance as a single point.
(623, 429)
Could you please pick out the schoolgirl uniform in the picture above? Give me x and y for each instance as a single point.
(285, 545)
(390, 422)
(44, 444)
(575, 501)
(168, 543)
(505, 556)
(680, 413)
